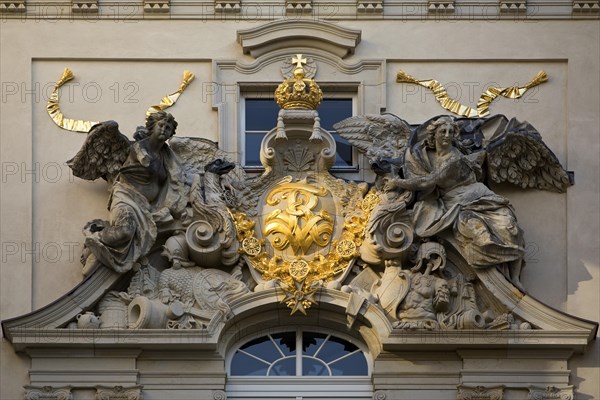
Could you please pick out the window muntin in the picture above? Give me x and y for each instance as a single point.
(320, 355)
(260, 116)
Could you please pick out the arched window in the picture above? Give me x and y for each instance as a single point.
(299, 354)
(299, 364)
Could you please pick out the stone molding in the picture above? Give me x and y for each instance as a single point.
(84, 6)
(13, 6)
(298, 6)
(551, 393)
(440, 7)
(369, 6)
(480, 392)
(513, 6)
(228, 6)
(157, 6)
(285, 34)
(119, 393)
(380, 395)
(586, 7)
(48, 393)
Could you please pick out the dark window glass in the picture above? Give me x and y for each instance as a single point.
(311, 342)
(355, 364)
(286, 342)
(261, 117)
(243, 364)
(262, 348)
(313, 367)
(284, 367)
(335, 348)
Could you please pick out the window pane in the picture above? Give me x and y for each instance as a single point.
(262, 348)
(335, 348)
(356, 364)
(242, 364)
(284, 367)
(311, 342)
(313, 367)
(261, 114)
(334, 110)
(252, 148)
(286, 342)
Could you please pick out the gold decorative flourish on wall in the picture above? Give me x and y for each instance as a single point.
(486, 98)
(74, 125)
(171, 99)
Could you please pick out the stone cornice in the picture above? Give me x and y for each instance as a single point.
(284, 34)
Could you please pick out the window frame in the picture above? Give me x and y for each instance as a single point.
(266, 91)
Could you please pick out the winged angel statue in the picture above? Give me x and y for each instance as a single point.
(156, 191)
(436, 173)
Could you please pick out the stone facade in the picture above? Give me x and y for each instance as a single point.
(124, 63)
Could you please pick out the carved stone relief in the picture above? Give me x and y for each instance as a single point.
(48, 393)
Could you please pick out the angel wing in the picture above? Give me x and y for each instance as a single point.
(196, 153)
(382, 138)
(517, 154)
(103, 153)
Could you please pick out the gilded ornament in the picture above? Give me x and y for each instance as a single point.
(297, 225)
(486, 98)
(346, 248)
(251, 246)
(299, 269)
(299, 92)
(369, 202)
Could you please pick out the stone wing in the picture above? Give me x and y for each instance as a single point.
(103, 153)
(517, 154)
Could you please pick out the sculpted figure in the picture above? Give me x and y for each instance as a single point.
(148, 189)
(455, 205)
(444, 164)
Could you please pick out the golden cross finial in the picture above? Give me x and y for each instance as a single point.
(298, 60)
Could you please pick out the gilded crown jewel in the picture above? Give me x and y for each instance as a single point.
(298, 92)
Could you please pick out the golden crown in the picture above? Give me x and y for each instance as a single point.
(298, 91)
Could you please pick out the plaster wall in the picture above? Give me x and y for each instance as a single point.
(123, 67)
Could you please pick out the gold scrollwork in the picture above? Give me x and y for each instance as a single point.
(297, 225)
(300, 278)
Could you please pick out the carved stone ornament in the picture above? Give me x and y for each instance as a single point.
(369, 7)
(12, 6)
(513, 6)
(551, 393)
(480, 392)
(85, 6)
(118, 393)
(583, 7)
(48, 393)
(440, 7)
(425, 245)
(157, 6)
(228, 6)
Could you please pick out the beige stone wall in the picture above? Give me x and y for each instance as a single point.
(123, 67)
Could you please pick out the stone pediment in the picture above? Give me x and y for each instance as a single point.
(288, 34)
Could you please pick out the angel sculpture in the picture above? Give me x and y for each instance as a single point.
(148, 189)
(443, 164)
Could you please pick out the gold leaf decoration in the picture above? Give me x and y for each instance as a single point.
(486, 98)
(73, 125)
(171, 99)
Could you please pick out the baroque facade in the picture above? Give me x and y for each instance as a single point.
(341, 200)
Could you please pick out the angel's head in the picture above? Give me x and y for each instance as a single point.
(442, 132)
(161, 124)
